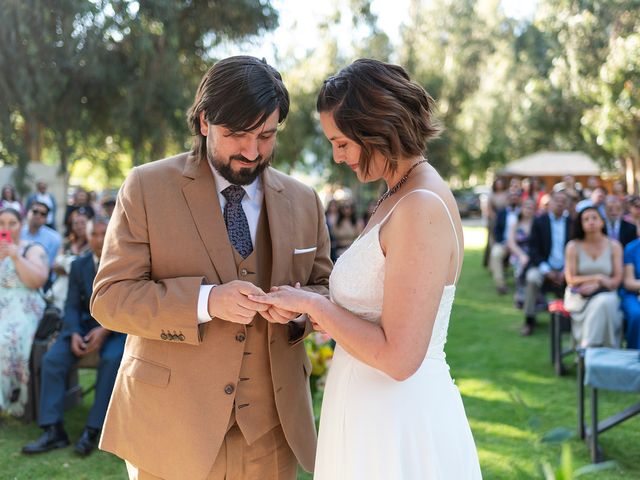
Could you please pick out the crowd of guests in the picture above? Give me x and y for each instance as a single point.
(42, 263)
(580, 244)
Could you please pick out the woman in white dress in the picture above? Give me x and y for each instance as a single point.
(391, 410)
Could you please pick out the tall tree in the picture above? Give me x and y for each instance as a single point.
(164, 48)
(47, 70)
(74, 74)
(444, 47)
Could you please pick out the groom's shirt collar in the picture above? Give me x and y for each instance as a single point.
(253, 190)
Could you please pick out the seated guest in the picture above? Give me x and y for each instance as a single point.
(633, 216)
(549, 235)
(496, 201)
(82, 202)
(43, 196)
(596, 199)
(617, 228)
(107, 205)
(631, 293)
(74, 245)
(505, 218)
(594, 272)
(80, 335)
(518, 244)
(347, 227)
(24, 268)
(35, 230)
(9, 199)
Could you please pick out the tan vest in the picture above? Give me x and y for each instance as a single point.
(255, 407)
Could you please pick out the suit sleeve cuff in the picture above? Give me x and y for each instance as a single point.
(203, 303)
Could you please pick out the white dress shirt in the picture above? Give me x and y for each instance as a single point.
(251, 204)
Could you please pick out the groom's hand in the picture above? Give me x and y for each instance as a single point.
(229, 302)
(278, 315)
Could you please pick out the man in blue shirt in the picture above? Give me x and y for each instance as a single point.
(549, 235)
(35, 230)
(41, 195)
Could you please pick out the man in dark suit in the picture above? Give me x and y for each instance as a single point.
(80, 336)
(549, 234)
(617, 228)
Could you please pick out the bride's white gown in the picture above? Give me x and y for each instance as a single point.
(374, 427)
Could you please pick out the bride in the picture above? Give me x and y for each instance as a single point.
(391, 410)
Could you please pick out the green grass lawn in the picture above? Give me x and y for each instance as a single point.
(510, 392)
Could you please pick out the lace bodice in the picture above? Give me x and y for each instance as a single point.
(357, 284)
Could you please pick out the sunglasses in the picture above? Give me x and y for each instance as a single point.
(39, 212)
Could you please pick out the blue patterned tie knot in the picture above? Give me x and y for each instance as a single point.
(236, 220)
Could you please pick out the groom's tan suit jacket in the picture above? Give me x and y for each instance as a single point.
(178, 380)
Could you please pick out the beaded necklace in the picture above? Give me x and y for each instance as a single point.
(397, 186)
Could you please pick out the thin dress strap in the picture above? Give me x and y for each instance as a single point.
(453, 225)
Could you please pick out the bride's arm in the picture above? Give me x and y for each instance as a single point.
(418, 242)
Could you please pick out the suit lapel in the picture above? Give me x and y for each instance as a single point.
(280, 213)
(202, 199)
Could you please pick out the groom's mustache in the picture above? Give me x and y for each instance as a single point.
(242, 158)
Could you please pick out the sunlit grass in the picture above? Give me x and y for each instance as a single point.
(511, 395)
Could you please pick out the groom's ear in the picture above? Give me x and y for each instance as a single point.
(204, 125)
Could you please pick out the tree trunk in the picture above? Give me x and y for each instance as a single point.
(63, 150)
(32, 134)
(137, 154)
(631, 175)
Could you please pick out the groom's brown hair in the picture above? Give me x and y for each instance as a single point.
(238, 93)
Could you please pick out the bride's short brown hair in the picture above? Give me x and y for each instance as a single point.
(379, 107)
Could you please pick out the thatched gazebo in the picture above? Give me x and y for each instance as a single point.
(551, 167)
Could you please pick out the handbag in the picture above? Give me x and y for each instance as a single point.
(573, 301)
(50, 322)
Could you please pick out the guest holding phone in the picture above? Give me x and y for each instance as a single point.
(24, 268)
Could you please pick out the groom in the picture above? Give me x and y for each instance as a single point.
(211, 384)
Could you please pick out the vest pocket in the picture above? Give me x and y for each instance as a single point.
(146, 372)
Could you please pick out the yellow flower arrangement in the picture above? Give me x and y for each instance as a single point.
(319, 347)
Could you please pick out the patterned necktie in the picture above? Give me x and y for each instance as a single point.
(236, 220)
(613, 231)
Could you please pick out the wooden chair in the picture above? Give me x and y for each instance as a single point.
(38, 350)
(559, 325)
(91, 360)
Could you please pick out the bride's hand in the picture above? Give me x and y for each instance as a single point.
(275, 314)
(286, 298)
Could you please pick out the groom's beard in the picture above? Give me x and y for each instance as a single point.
(245, 175)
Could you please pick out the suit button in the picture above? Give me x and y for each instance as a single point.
(163, 336)
(229, 389)
(244, 272)
(240, 337)
(181, 337)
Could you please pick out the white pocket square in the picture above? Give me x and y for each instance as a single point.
(298, 251)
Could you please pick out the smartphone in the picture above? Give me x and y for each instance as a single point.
(5, 236)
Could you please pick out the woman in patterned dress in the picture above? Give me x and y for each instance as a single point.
(23, 270)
